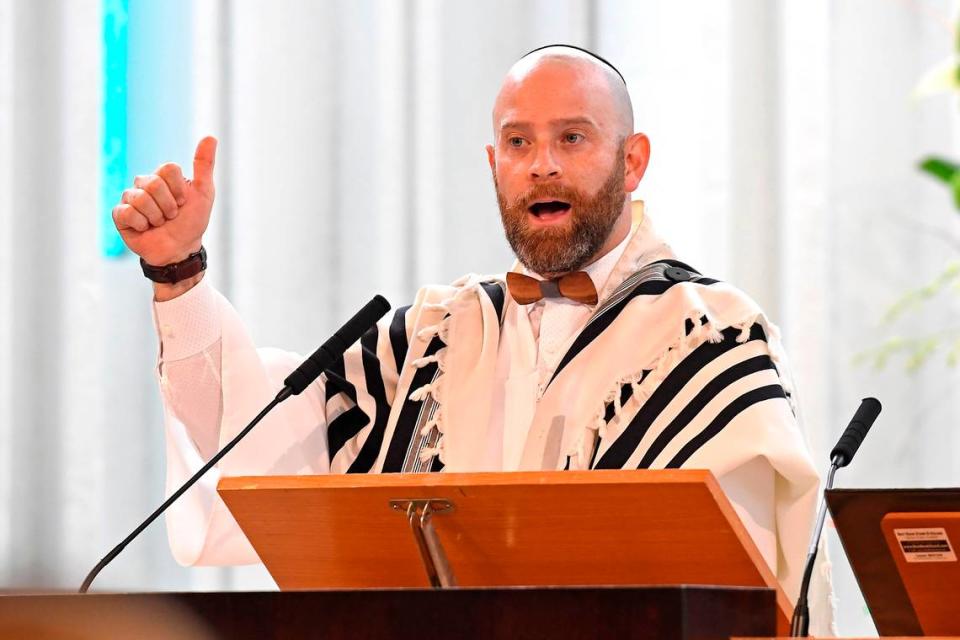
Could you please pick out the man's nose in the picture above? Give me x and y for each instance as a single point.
(545, 166)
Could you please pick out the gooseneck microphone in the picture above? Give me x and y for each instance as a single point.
(328, 353)
(840, 456)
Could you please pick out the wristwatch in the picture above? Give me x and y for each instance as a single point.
(172, 273)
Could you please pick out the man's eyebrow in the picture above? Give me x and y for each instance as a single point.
(560, 122)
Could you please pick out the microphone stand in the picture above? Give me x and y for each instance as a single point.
(841, 456)
(308, 371)
(285, 393)
(800, 622)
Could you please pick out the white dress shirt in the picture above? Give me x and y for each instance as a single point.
(551, 326)
(190, 353)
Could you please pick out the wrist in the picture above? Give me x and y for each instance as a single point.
(163, 292)
(174, 272)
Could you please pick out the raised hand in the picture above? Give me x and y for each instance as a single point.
(162, 218)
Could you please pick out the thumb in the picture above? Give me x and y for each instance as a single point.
(203, 161)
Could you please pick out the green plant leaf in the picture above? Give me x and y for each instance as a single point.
(940, 168)
(915, 298)
(922, 350)
(953, 356)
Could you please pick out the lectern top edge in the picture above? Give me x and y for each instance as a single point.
(491, 478)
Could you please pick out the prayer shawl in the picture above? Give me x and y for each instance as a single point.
(673, 370)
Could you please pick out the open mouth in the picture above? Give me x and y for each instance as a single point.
(548, 209)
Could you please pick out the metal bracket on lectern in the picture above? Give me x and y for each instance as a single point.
(419, 512)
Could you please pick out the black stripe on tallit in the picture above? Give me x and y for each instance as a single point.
(374, 380)
(345, 426)
(620, 451)
(350, 422)
(409, 412)
(626, 392)
(710, 391)
(398, 337)
(731, 411)
(600, 324)
(336, 381)
(495, 292)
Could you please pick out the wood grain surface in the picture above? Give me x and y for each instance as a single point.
(528, 528)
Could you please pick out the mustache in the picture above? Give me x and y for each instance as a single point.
(542, 191)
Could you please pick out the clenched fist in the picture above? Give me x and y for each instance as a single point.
(163, 217)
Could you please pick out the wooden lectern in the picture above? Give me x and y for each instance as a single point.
(585, 528)
(901, 544)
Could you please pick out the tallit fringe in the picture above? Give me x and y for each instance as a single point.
(441, 330)
(430, 424)
(428, 452)
(705, 329)
(431, 390)
(434, 390)
(777, 355)
(438, 357)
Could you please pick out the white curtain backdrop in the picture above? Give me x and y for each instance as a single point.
(351, 162)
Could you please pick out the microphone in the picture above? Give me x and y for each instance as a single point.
(331, 350)
(841, 455)
(856, 431)
(328, 353)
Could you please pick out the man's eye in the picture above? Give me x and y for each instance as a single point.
(572, 138)
(515, 141)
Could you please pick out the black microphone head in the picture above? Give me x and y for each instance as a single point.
(331, 350)
(855, 432)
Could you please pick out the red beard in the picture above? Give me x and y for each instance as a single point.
(568, 246)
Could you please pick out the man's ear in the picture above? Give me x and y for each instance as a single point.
(637, 151)
(490, 158)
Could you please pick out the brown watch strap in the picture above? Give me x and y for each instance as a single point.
(173, 273)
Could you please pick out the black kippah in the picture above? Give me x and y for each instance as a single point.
(586, 51)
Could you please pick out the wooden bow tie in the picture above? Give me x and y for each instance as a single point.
(576, 286)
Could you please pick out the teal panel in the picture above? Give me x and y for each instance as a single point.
(114, 178)
(147, 97)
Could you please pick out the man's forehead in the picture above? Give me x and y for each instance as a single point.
(547, 86)
(553, 93)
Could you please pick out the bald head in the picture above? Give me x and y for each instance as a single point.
(571, 78)
(564, 159)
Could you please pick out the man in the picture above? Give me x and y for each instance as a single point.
(598, 350)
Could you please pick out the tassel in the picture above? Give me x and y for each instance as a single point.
(617, 403)
(428, 452)
(422, 362)
(421, 394)
(425, 431)
(428, 332)
(714, 335)
(438, 417)
(444, 332)
(601, 427)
